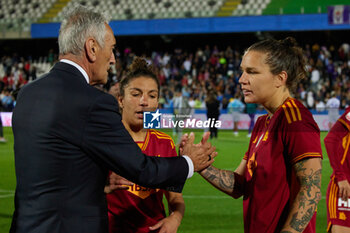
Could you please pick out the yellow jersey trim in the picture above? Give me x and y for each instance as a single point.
(296, 107)
(161, 135)
(308, 154)
(346, 149)
(344, 123)
(287, 114)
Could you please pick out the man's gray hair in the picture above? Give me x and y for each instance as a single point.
(78, 24)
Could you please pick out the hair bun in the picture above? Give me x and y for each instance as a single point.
(289, 42)
(138, 64)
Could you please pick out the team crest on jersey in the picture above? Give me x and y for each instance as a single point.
(347, 116)
(252, 164)
(342, 216)
(266, 136)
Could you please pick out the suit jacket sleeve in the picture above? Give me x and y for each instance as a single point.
(108, 143)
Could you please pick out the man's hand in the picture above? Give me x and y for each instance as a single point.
(344, 190)
(117, 182)
(201, 154)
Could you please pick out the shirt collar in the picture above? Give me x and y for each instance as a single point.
(78, 67)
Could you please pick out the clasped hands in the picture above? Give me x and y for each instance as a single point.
(201, 154)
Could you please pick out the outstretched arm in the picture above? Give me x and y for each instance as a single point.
(228, 182)
(308, 173)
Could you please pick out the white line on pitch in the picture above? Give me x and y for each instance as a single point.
(6, 195)
(6, 191)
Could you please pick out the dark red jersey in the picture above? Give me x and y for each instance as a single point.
(277, 143)
(138, 208)
(337, 143)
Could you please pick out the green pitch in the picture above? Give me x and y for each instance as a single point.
(207, 209)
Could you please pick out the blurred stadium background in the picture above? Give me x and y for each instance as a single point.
(194, 44)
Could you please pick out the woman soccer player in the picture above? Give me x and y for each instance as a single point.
(280, 174)
(140, 209)
(338, 193)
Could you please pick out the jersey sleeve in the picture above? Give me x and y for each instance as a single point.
(337, 145)
(164, 144)
(172, 148)
(302, 138)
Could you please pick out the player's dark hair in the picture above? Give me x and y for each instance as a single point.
(211, 96)
(283, 55)
(138, 68)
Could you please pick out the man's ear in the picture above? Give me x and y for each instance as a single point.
(91, 48)
(281, 79)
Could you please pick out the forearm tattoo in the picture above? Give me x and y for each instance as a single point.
(308, 197)
(221, 179)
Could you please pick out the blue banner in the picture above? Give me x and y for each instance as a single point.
(306, 22)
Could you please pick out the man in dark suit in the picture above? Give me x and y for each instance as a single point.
(68, 135)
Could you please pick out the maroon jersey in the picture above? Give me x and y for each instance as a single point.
(337, 144)
(138, 208)
(276, 145)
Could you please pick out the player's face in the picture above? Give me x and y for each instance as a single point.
(258, 84)
(140, 95)
(104, 58)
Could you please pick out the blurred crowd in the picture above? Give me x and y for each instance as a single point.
(198, 72)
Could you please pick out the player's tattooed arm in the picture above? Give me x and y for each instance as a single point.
(308, 173)
(228, 182)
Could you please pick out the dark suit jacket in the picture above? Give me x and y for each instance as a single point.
(68, 134)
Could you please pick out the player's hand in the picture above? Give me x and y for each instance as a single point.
(182, 143)
(201, 154)
(169, 224)
(185, 137)
(117, 182)
(344, 189)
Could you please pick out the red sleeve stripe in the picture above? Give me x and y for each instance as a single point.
(344, 123)
(346, 150)
(245, 157)
(306, 155)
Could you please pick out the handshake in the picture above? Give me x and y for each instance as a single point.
(201, 154)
